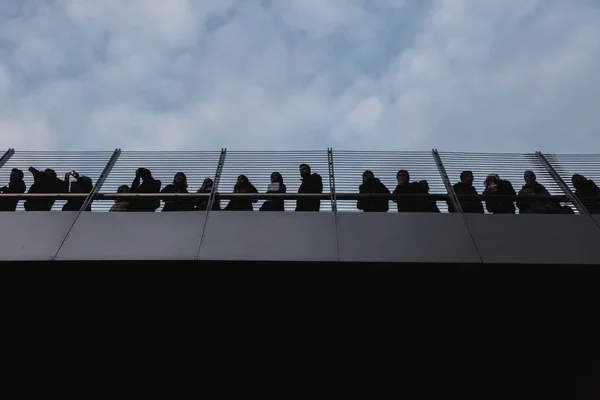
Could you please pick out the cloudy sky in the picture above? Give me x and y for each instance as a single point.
(474, 75)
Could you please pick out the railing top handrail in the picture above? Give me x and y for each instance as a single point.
(500, 153)
(314, 150)
(323, 196)
(169, 151)
(277, 151)
(572, 154)
(23, 152)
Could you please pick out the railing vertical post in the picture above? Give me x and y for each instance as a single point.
(211, 197)
(446, 179)
(333, 197)
(9, 153)
(109, 165)
(216, 180)
(101, 179)
(332, 180)
(561, 183)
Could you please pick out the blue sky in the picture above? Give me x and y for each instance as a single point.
(473, 75)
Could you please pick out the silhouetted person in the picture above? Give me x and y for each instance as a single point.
(121, 204)
(311, 183)
(243, 185)
(276, 186)
(533, 188)
(406, 204)
(202, 202)
(372, 185)
(82, 184)
(465, 186)
(496, 186)
(148, 185)
(43, 182)
(16, 185)
(425, 204)
(587, 192)
(179, 185)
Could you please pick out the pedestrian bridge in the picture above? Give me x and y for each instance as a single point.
(300, 237)
(337, 234)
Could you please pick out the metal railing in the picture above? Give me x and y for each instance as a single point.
(110, 169)
(197, 165)
(88, 163)
(6, 156)
(284, 196)
(575, 203)
(258, 166)
(567, 165)
(509, 166)
(350, 165)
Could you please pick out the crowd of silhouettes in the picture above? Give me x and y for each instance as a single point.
(145, 183)
(47, 182)
(494, 186)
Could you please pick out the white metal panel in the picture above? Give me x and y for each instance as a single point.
(270, 236)
(33, 236)
(134, 236)
(531, 238)
(405, 237)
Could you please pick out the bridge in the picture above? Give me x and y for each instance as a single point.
(336, 234)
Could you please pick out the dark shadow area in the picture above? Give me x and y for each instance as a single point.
(588, 381)
(520, 331)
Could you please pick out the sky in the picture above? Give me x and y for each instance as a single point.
(456, 75)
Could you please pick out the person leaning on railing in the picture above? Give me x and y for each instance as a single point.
(587, 192)
(311, 183)
(425, 204)
(16, 185)
(243, 185)
(276, 186)
(179, 185)
(406, 204)
(534, 188)
(121, 204)
(148, 185)
(372, 185)
(465, 187)
(202, 202)
(43, 182)
(82, 184)
(494, 186)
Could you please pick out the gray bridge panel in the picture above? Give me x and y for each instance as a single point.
(270, 236)
(33, 236)
(403, 237)
(134, 236)
(547, 239)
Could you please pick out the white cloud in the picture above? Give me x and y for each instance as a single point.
(478, 75)
(366, 112)
(4, 82)
(28, 132)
